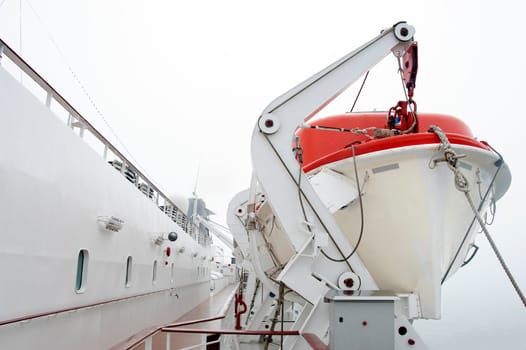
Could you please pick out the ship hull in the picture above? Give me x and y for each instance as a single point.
(57, 196)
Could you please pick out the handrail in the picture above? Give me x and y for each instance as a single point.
(54, 94)
(200, 345)
(229, 331)
(137, 339)
(140, 337)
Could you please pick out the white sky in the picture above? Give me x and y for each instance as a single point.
(183, 82)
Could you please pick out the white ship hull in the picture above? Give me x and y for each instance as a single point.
(56, 193)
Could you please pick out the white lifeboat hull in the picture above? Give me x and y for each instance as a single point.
(417, 227)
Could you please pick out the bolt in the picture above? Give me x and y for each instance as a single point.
(349, 282)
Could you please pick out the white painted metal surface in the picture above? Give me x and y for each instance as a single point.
(55, 190)
(279, 173)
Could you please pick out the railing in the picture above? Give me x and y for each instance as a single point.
(145, 337)
(75, 120)
(201, 345)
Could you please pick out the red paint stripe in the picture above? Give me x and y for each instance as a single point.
(322, 147)
(55, 312)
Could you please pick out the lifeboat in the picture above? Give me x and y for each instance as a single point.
(394, 199)
(403, 187)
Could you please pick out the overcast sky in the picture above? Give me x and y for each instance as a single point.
(182, 83)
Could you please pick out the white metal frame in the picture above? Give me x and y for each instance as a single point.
(278, 172)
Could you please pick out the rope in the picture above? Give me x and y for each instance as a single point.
(300, 159)
(345, 258)
(277, 312)
(359, 92)
(497, 252)
(20, 35)
(473, 220)
(355, 131)
(360, 236)
(258, 282)
(305, 197)
(377, 133)
(462, 184)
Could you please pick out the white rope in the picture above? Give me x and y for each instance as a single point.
(462, 184)
(497, 253)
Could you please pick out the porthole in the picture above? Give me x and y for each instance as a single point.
(82, 271)
(154, 272)
(128, 280)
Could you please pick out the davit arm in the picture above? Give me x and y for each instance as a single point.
(280, 175)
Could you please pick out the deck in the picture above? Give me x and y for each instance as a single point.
(210, 311)
(186, 332)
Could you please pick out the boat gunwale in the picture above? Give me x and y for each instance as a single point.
(400, 141)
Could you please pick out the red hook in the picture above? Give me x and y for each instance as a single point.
(237, 311)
